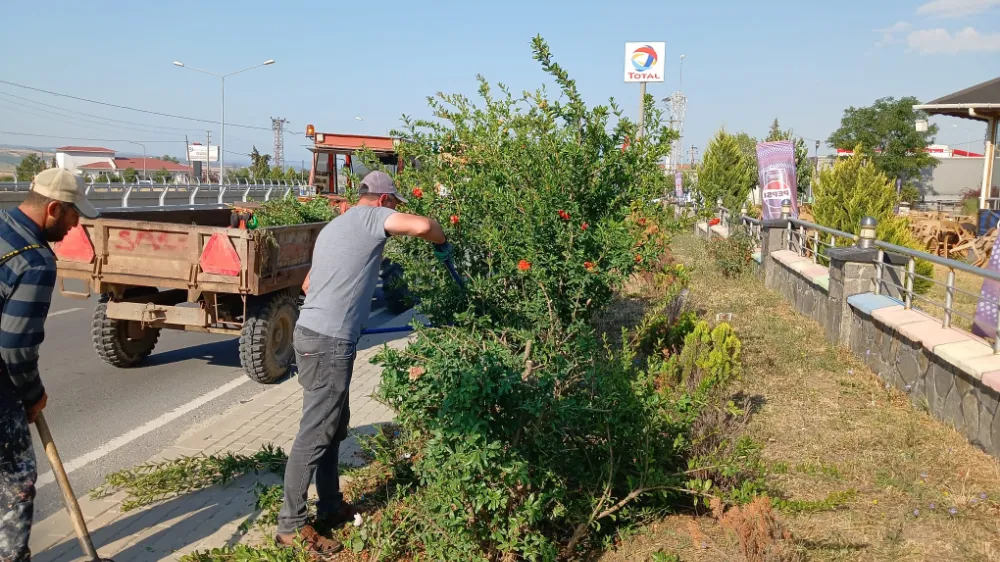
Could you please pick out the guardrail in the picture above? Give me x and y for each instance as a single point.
(812, 241)
(260, 189)
(803, 237)
(907, 273)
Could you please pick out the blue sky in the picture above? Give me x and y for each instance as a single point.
(746, 62)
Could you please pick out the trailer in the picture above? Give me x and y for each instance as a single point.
(194, 268)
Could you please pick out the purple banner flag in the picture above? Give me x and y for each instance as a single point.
(985, 324)
(678, 184)
(776, 174)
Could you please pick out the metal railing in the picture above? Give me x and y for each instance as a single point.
(752, 228)
(811, 240)
(239, 190)
(907, 275)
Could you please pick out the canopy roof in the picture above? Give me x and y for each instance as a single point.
(980, 102)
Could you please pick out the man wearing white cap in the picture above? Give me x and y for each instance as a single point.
(27, 274)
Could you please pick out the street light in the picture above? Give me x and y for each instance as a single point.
(143, 157)
(222, 142)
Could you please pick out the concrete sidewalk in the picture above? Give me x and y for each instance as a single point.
(210, 517)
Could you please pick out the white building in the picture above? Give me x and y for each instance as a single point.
(95, 162)
(72, 157)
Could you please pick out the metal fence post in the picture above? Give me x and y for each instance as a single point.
(910, 271)
(786, 214)
(125, 196)
(195, 192)
(949, 297)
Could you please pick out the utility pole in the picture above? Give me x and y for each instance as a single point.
(208, 158)
(278, 126)
(692, 156)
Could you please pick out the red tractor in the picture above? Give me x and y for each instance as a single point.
(333, 155)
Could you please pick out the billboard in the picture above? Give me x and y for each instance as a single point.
(678, 184)
(644, 61)
(198, 153)
(776, 174)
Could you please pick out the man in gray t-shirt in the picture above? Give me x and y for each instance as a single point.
(339, 289)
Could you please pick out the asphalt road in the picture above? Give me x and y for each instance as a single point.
(105, 419)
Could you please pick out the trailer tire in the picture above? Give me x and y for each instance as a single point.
(394, 290)
(266, 351)
(111, 340)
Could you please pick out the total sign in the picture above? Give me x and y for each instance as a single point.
(644, 62)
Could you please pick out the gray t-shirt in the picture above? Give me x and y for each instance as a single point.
(345, 268)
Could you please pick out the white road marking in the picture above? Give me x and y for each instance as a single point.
(148, 427)
(67, 311)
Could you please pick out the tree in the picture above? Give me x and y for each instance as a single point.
(53, 163)
(887, 136)
(725, 173)
(291, 174)
(748, 152)
(29, 166)
(130, 175)
(276, 174)
(803, 165)
(855, 188)
(168, 158)
(162, 176)
(260, 164)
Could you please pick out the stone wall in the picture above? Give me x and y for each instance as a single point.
(950, 373)
(804, 285)
(964, 398)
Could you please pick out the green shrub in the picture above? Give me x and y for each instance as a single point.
(289, 210)
(526, 452)
(732, 255)
(853, 189)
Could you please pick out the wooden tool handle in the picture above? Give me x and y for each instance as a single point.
(75, 515)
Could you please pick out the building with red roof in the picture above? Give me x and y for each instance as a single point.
(95, 161)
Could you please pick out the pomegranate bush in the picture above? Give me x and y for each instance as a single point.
(526, 437)
(535, 195)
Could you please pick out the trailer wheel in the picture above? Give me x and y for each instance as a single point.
(122, 343)
(266, 340)
(394, 290)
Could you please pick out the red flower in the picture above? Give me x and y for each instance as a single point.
(638, 258)
(588, 265)
(584, 226)
(563, 215)
(642, 222)
(417, 192)
(524, 265)
(454, 219)
(713, 222)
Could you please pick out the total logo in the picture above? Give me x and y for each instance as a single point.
(643, 59)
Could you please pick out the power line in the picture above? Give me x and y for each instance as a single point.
(74, 120)
(16, 133)
(66, 110)
(150, 112)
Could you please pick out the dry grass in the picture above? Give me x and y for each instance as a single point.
(828, 425)
(967, 285)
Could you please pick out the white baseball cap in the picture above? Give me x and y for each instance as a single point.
(62, 185)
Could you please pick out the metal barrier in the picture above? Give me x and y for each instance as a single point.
(752, 228)
(907, 273)
(247, 189)
(803, 237)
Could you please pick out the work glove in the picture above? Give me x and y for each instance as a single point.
(444, 251)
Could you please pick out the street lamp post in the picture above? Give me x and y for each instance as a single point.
(222, 126)
(143, 157)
